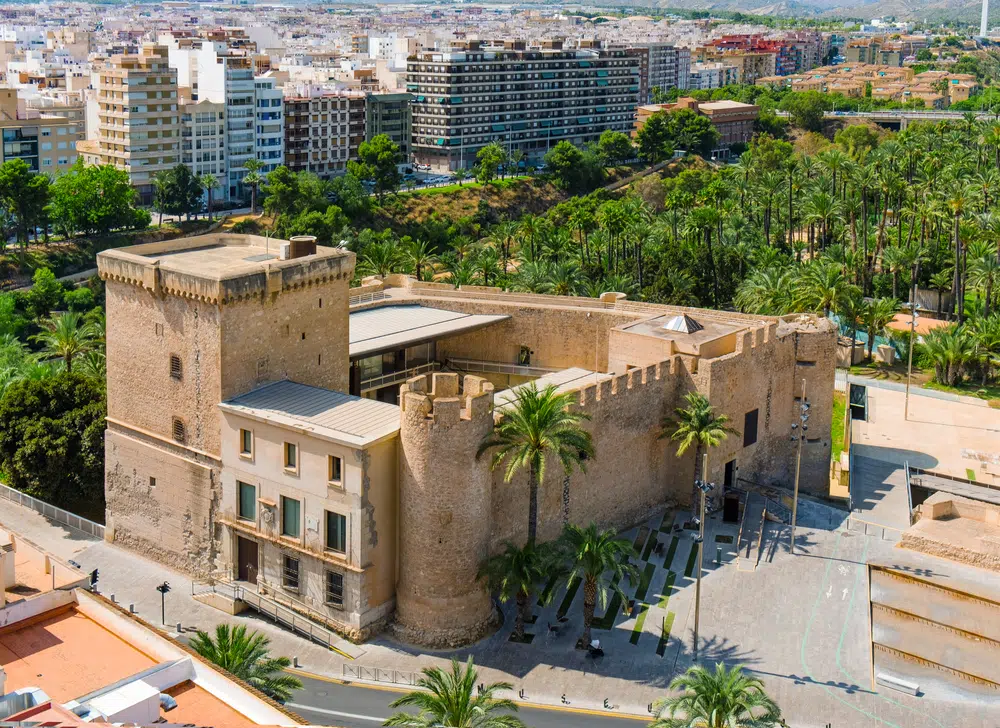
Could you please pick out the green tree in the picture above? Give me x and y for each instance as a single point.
(66, 336)
(24, 195)
(601, 560)
(538, 425)
(614, 147)
(94, 200)
(489, 159)
(453, 699)
(378, 163)
(696, 425)
(252, 180)
(245, 655)
(210, 183)
(725, 698)
(692, 132)
(52, 440)
(574, 169)
(513, 574)
(806, 108)
(876, 314)
(821, 288)
(951, 349)
(654, 140)
(45, 294)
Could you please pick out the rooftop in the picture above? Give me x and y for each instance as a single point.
(568, 380)
(666, 327)
(394, 327)
(343, 418)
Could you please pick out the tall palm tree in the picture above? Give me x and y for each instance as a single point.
(985, 275)
(876, 315)
(821, 288)
(66, 336)
(453, 699)
(513, 574)
(379, 259)
(721, 699)
(210, 183)
(537, 426)
(419, 253)
(697, 425)
(601, 560)
(252, 179)
(941, 282)
(766, 291)
(245, 655)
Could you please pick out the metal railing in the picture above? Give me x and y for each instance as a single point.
(288, 617)
(365, 298)
(52, 512)
(380, 674)
(496, 367)
(386, 379)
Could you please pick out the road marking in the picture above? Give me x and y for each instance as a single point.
(337, 713)
(844, 595)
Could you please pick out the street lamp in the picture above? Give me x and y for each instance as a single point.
(705, 487)
(802, 428)
(163, 589)
(914, 307)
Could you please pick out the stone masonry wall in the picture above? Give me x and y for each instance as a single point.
(444, 511)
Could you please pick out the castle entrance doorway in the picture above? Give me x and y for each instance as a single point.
(246, 554)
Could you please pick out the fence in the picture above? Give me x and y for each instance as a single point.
(51, 512)
(365, 298)
(380, 674)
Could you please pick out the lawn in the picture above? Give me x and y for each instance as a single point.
(837, 426)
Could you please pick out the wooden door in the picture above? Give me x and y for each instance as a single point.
(246, 554)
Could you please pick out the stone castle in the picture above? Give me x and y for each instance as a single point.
(269, 424)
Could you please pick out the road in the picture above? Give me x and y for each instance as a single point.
(360, 706)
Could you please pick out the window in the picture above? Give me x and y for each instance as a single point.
(248, 501)
(290, 573)
(290, 517)
(336, 532)
(177, 427)
(152, 482)
(291, 456)
(750, 428)
(334, 589)
(175, 367)
(336, 469)
(246, 443)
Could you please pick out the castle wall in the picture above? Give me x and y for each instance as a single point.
(444, 512)
(161, 502)
(300, 334)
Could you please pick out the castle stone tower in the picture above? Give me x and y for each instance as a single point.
(444, 511)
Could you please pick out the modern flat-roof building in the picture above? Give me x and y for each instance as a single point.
(733, 120)
(269, 426)
(527, 98)
(139, 126)
(323, 131)
(46, 142)
(662, 66)
(392, 115)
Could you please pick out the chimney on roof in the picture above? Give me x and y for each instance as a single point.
(301, 246)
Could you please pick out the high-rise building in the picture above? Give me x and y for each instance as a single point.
(318, 132)
(528, 99)
(203, 139)
(662, 66)
(138, 122)
(46, 143)
(392, 115)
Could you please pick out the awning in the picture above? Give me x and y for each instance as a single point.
(395, 327)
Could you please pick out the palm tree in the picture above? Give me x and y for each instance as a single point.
(985, 274)
(461, 175)
(538, 425)
(66, 336)
(721, 699)
(210, 183)
(766, 291)
(875, 316)
(419, 253)
(379, 259)
(453, 699)
(245, 656)
(821, 287)
(941, 282)
(252, 179)
(698, 425)
(952, 349)
(513, 575)
(601, 560)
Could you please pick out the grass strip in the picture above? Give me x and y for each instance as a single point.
(667, 523)
(668, 589)
(644, 578)
(639, 621)
(650, 543)
(668, 623)
(970, 474)
(692, 561)
(567, 601)
(546, 594)
(671, 550)
(607, 621)
(640, 538)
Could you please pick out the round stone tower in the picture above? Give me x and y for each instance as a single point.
(444, 511)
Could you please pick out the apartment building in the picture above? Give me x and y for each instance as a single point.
(528, 99)
(662, 66)
(269, 136)
(704, 76)
(138, 121)
(46, 142)
(319, 134)
(392, 115)
(873, 51)
(732, 119)
(203, 139)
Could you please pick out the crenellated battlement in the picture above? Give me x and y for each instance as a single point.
(436, 398)
(631, 383)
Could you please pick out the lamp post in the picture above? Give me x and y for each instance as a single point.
(704, 486)
(913, 306)
(801, 427)
(163, 589)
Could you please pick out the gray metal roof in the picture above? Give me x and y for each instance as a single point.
(394, 327)
(344, 418)
(568, 380)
